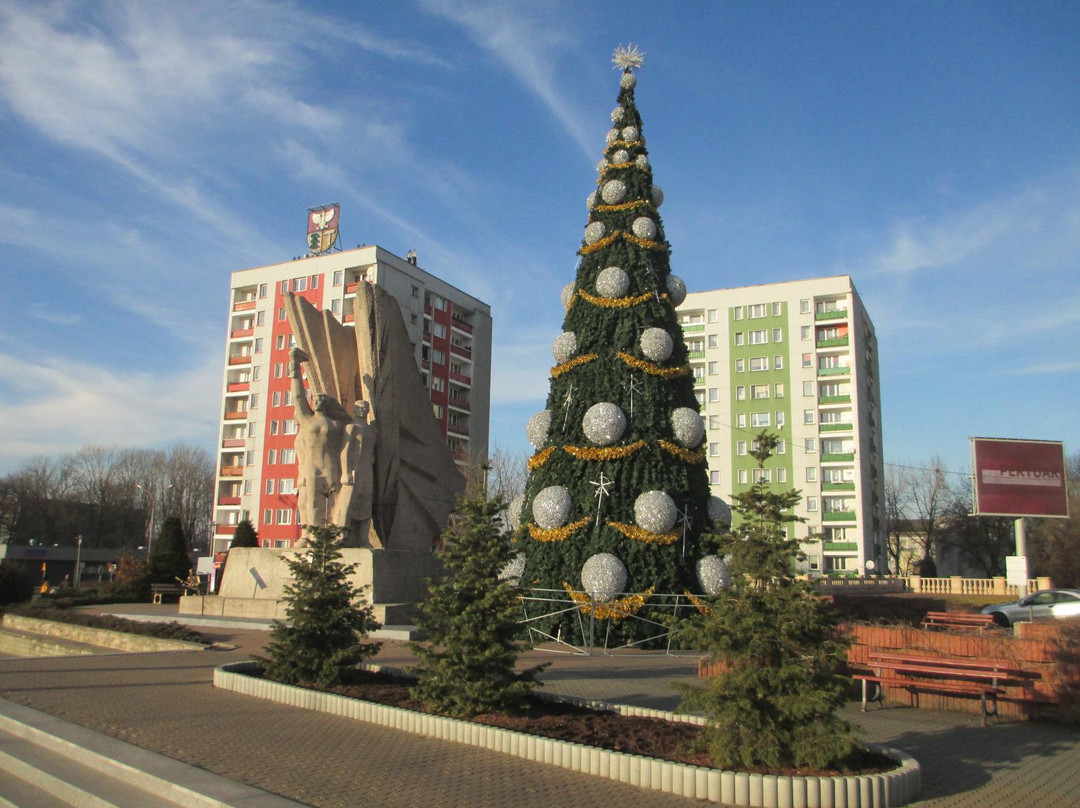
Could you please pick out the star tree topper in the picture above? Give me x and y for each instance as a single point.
(628, 57)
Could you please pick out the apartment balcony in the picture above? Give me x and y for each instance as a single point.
(838, 486)
(463, 380)
(427, 310)
(232, 471)
(460, 351)
(240, 360)
(238, 387)
(425, 364)
(461, 457)
(224, 530)
(426, 336)
(695, 354)
(349, 318)
(459, 403)
(844, 457)
(691, 329)
(840, 546)
(839, 314)
(245, 305)
(458, 429)
(839, 342)
(838, 516)
(461, 325)
(834, 399)
(233, 443)
(835, 427)
(236, 415)
(239, 333)
(839, 370)
(228, 501)
(350, 288)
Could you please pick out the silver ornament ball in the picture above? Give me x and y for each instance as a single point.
(513, 511)
(630, 133)
(719, 512)
(657, 195)
(564, 347)
(567, 295)
(604, 423)
(676, 289)
(613, 192)
(712, 573)
(514, 569)
(603, 576)
(551, 507)
(602, 166)
(536, 430)
(656, 344)
(590, 200)
(612, 282)
(594, 232)
(620, 157)
(655, 512)
(628, 81)
(687, 426)
(642, 161)
(644, 227)
(617, 114)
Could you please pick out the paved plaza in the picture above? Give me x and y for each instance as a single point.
(165, 702)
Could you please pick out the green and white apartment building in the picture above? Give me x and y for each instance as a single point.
(799, 359)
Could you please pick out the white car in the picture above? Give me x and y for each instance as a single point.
(1044, 605)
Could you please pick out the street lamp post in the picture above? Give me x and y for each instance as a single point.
(77, 577)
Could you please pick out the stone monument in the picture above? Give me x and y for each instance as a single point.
(389, 483)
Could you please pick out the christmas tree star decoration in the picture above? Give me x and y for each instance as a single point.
(628, 57)
(633, 384)
(567, 399)
(602, 486)
(687, 520)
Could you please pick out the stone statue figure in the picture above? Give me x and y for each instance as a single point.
(392, 487)
(320, 439)
(352, 509)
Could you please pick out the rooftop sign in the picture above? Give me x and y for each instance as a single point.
(1019, 477)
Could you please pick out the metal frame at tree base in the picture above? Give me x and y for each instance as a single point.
(559, 603)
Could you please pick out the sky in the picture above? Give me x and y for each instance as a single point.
(929, 149)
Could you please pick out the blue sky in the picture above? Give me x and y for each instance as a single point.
(931, 150)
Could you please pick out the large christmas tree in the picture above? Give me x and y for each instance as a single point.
(618, 494)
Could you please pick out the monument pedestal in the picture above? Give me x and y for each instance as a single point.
(393, 582)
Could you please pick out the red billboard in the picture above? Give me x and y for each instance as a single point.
(1019, 477)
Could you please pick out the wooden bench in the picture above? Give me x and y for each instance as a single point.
(949, 620)
(985, 678)
(160, 591)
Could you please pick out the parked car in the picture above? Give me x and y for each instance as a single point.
(1044, 605)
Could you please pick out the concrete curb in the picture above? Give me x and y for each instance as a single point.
(733, 788)
(102, 638)
(175, 781)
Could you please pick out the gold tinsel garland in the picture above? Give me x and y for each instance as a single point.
(650, 368)
(584, 359)
(559, 533)
(618, 609)
(640, 534)
(605, 453)
(614, 302)
(686, 455)
(637, 203)
(540, 458)
(599, 245)
(699, 603)
(644, 243)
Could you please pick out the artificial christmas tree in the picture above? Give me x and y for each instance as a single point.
(618, 494)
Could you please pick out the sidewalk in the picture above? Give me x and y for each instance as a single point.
(166, 703)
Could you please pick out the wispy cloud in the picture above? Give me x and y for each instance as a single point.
(54, 406)
(1045, 369)
(527, 42)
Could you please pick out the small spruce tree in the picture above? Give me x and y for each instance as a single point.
(245, 535)
(774, 704)
(470, 621)
(169, 555)
(328, 619)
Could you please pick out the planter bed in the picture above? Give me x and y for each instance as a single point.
(891, 788)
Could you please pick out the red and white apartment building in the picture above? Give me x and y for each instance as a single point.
(256, 470)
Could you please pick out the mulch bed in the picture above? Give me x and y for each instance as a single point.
(651, 737)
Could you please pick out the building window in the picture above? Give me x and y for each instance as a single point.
(314, 281)
(758, 419)
(740, 338)
(714, 368)
(806, 332)
(714, 449)
(740, 393)
(268, 517)
(808, 416)
(284, 287)
(299, 284)
(780, 416)
(807, 360)
(762, 476)
(438, 356)
(438, 384)
(759, 363)
(804, 306)
(740, 447)
(777, 308)
(288, 426)
(288, 456)
(779, 389)
(777, 335)
(740, 365)
(247, 488)
(274, 425)
(714, 422)
(744, 476)
(738, 312)
(778, 362)
(279, 368)
(438, 410)
(714, 394)
(439, 330)
(260, 317)
(335, 307)
(713, 318)
(280, 342)
(714, 477)
(254, 405)
(262, 290)
(810, 445)
(781, 475)
(740, 420)
(781, 447)
(339, 276)
(811, 474)
(759, 337)
(808, 388)
(258, 345)
(759, 391)
(270, 485)
(287, 486)
(281, 314)
(713, 341)
(755, 311)
(284, 516)
(276, 399)
(288, 398)
(271, 457)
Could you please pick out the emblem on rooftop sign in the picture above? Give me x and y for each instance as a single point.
(322, 228)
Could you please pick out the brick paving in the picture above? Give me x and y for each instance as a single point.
(165, 702)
